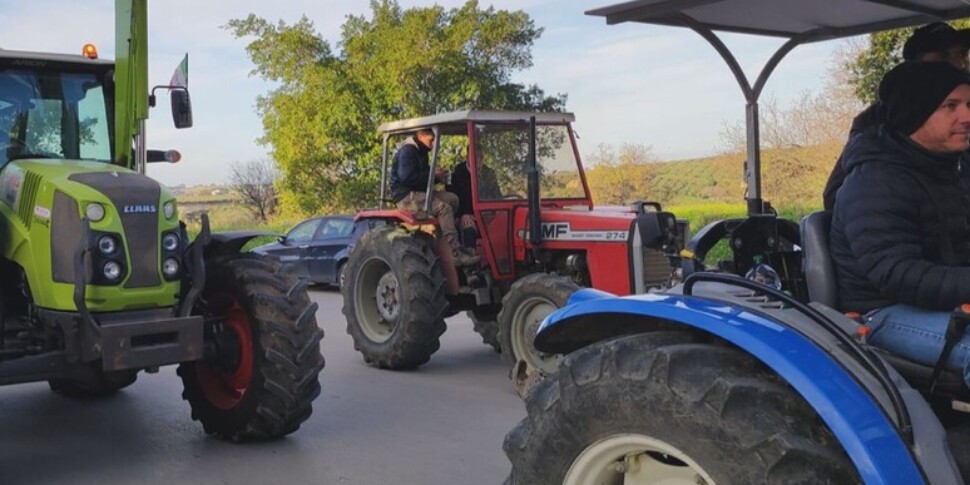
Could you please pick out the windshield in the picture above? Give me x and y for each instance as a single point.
(53, 115)
(502, 152)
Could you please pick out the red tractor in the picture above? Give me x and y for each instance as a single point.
(525, 173)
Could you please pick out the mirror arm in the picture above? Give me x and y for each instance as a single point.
(152, 98)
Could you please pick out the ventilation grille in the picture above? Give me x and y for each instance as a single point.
(28, 192)
(656, 268)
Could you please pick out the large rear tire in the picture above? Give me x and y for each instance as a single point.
(394, 298)
(528, 302)
(662, 406)
(264, 380)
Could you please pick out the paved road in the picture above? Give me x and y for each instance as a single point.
(441, 424)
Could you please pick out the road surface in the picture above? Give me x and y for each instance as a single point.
(441, 424)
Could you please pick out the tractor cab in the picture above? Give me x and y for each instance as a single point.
(491, 166)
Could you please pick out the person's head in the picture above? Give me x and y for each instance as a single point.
(425, 137)
(939, 42)
(930, 103)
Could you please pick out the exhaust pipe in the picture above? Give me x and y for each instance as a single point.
(532, 170)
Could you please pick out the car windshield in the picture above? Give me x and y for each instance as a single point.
(50, 114)
(502, 151)
(303, 232)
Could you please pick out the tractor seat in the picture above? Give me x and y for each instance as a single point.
(816, 260)
(823, 288)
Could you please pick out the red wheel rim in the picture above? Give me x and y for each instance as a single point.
(225, 389)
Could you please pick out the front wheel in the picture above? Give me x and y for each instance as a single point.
(529, 301)
(664, 407)
(263, 380)
(341, 275)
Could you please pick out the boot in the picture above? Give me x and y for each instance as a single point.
(464, 257)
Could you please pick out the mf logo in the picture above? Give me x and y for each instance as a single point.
(139, 209)
(555, 230)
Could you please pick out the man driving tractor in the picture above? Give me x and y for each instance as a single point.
(409, 174)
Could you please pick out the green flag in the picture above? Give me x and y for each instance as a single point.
(181, 75)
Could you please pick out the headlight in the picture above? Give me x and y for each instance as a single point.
(169, 209)
(170, 242)
(107, 245)
(94, 211)
(112, 270)
(170, 267)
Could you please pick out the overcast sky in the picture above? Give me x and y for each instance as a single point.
(629, 83)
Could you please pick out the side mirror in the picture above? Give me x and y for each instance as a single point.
(181, 108)
(281, 239)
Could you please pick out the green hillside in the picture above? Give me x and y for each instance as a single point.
(792, 178)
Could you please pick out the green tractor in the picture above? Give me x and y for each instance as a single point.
(98, 279)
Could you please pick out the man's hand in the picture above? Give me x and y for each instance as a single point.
(441, 175)
(467, 220)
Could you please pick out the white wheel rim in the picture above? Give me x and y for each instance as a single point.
(634, 459)
(377, 298)
(525, 324)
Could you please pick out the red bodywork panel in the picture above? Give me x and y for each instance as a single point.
(604, 236)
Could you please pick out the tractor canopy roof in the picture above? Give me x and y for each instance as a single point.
(808, 21)
(456, 122)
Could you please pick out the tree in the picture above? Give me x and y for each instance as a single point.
(617, 178)
(253, 181)
(321, 121)
(884, 50)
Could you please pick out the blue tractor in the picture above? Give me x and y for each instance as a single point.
(721, 379)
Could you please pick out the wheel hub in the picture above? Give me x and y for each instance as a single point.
(388, 303)
(632, 459)
(225, 381)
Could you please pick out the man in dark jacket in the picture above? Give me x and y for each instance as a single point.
(932, 42)
(900, 236)
(410, 173)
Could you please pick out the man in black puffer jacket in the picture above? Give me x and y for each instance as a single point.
(932, 42)
(900, 236)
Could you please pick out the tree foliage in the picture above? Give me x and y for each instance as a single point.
(624, 176)
(321, 121)
(883, 51)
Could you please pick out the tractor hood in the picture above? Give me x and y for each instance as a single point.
(114, 187)
(50, 204)
(589, 225)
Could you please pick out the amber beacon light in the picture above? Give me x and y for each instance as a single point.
(90, 51)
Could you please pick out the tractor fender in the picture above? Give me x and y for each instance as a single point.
(865, 432)
(231, 242)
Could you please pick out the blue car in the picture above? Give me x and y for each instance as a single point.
(318, 248)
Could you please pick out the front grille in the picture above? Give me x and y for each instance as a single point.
(136, 199)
